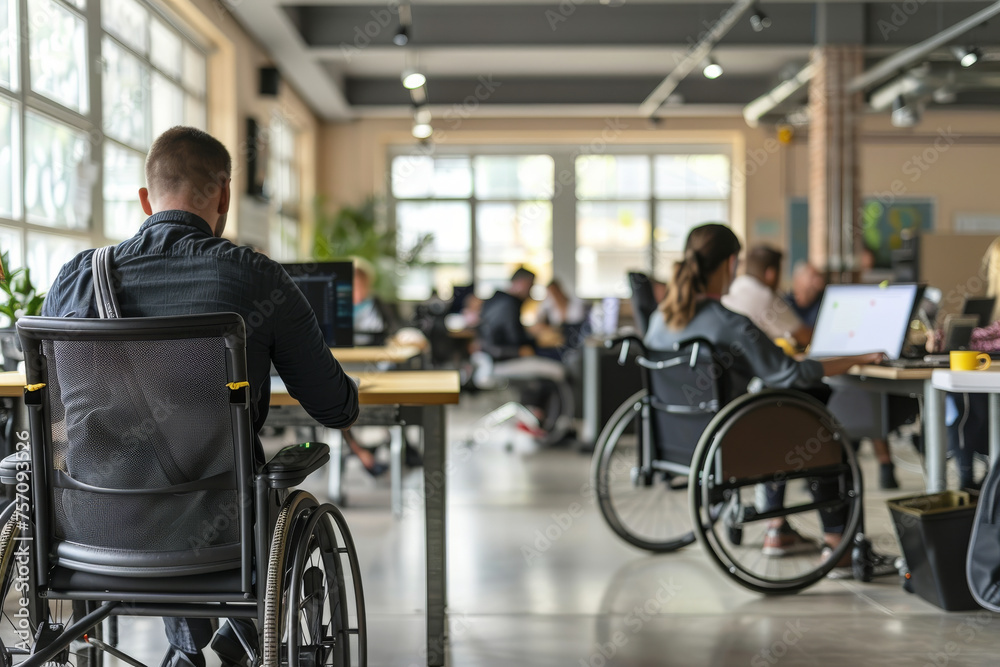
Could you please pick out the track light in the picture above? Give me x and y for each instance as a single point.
(712, 69)
(903, 114)
(413, 79)
(402, 36)
(759, 21)
(422, 115)
(422, 130)
(967, 56)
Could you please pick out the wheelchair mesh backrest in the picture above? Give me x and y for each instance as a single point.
(684, 396)
(129, 416)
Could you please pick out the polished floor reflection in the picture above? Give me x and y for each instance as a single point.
(536, 578)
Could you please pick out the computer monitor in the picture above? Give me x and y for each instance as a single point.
(329, 289)
(858, 319)
(981, 306)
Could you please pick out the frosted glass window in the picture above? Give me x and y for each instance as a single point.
(58, 174)
(123, 176)
(58, 54)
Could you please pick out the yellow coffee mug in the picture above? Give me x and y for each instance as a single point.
(963, 360)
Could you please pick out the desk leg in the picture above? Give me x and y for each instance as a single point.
(935, 439)
(396, 440)
(435, 495)
(336, 468)
(591, 393)
(994, 428)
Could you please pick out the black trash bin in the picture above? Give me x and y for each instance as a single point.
(933, 532)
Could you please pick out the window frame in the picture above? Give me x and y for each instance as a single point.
(564, 197)
(91, 122)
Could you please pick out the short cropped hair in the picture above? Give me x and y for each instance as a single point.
(522, 274)
(186, 159)
(760, 258)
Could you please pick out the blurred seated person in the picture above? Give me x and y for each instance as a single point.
(806, 293)
(502, 336)
(566, 313)
(967, 415)
(695, 308)
(755, 295)
(373, 321)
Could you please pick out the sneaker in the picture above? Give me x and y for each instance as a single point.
(784, 541)
(843, 569)
(533, 431)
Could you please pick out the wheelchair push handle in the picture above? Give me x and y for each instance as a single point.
(626, 342)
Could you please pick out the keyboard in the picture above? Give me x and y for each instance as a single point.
(925, 362)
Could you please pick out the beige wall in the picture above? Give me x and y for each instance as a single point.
(234, 60)
(353, 159)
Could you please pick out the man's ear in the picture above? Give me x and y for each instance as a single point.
(147, 208)
(224, 197)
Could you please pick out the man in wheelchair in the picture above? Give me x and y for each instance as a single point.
(178, 264)
(692, 310)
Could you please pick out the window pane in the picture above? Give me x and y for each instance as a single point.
(10, 242)
(123, 176)
(284, 238)
(691, 176)
(128, 21)
(445, 260)
(674, 219)
(612, 177)
(46, 255)
(509, 236)
(8, 44)
(418, 176)
(194, 113)
(58, 178)
(58, 54)
(10, 161)
(125, 96)
(612, 238)
(194, 70)
(168, 104)
(166, 50)
(514, 176)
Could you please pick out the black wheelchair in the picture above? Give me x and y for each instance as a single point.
(680, 461)
(140, 494)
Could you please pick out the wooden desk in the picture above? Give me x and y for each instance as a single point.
(912, 382)
(396, 354)
(11, 384)
(423, 396)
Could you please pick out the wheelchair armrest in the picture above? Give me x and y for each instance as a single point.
(292, 464)
(8, 468)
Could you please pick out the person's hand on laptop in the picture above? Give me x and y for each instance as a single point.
(840, 365)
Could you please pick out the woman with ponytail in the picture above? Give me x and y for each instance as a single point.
(692, 309)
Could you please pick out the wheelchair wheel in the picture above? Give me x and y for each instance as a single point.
(646, 508)
(811, 459)
(307, 612)
(19, 618)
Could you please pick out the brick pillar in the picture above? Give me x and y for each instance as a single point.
(834, 201)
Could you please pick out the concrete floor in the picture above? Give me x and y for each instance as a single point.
(581, 597)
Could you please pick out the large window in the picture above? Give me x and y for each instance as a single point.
(475, 217)
(481, 216)
(634, 212)
(66, 137)
(284, 194)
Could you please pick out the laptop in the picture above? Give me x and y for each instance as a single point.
(981, 306)
(860, 319)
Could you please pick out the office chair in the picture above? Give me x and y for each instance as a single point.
(148, 497)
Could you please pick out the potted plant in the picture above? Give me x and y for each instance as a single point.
(18, 297)
(360, 231)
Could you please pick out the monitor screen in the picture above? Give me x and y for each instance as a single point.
(329, 289)
(858, 319)
(981, 307)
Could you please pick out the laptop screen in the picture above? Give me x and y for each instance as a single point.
(858, 319)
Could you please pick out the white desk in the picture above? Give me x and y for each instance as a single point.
(976, 382)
